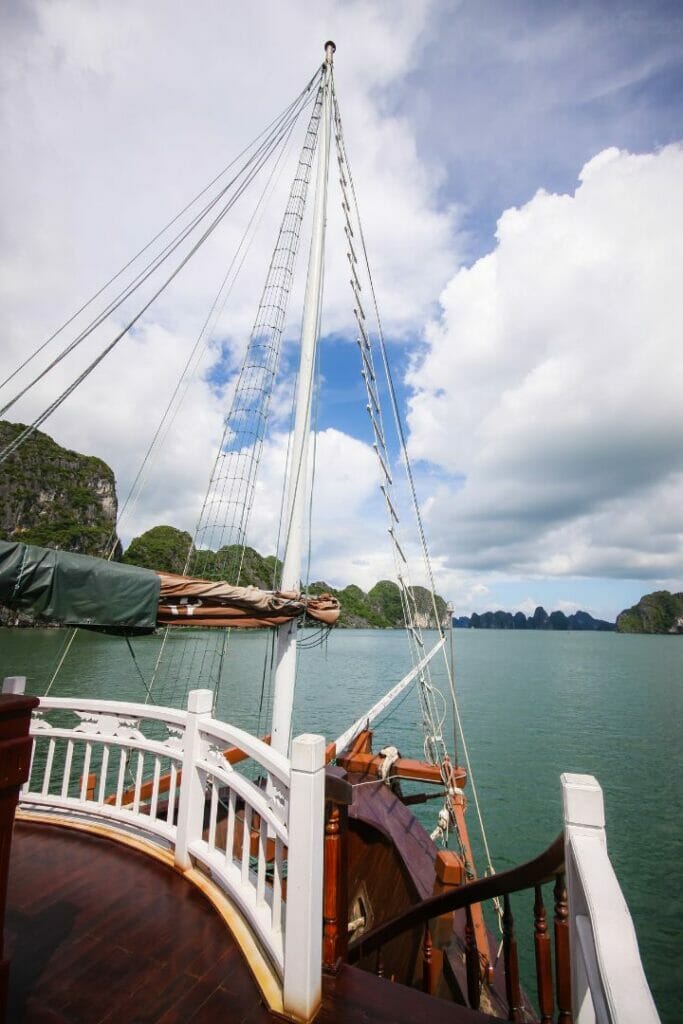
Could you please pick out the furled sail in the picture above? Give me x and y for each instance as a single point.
(192, 602)
(79, 590)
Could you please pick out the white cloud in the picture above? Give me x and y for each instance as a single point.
(348, 536)
(114, 117)
(552, 383)
(548, 395)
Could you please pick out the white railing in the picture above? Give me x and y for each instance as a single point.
(160, 772)
(608, 981)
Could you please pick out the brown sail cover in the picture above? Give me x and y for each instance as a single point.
(184, 601)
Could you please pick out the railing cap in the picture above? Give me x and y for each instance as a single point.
(308, 753)
(200, 702)
(582, 801)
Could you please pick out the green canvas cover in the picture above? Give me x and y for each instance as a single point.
(78, 590)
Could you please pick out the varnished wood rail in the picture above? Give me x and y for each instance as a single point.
(547, 867)
(338, 796)
(248, 837)
(15, 758)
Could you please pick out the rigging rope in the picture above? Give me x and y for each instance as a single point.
(206, 332)
(167, 418)
(427, 690)
(268, 129)
(218, 546)
(265, 153)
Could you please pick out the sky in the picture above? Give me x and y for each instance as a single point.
(519, 171)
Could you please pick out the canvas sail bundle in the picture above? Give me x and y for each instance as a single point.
(195, 602)
(78, 590)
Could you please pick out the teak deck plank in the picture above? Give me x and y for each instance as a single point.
(99, 933)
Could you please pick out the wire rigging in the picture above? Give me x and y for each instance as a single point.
(155, 238)
(219, 542)
(264, 153)
(427, 691)
(206, 334)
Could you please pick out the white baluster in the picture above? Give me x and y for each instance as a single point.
(303, 925)
(246, 844)
(213, 815)
(48, 767)
(86, 771)
(67, 769)
(276, 922)
(230, 831)
(121, 779)
(173, 782)
(102, 790)
(138, 783)
(261, 876)
(155, 789)
(191, 804)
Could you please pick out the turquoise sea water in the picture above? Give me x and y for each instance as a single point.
(533, 705)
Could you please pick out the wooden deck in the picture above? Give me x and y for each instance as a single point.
(97, 932)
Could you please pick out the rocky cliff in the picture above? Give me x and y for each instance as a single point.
(659, 612)
(54, 497)
(381, 607)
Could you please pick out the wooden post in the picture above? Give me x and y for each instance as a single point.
(335, 909)
(428, 971)
(302, 986)
(562, 966)
(191, 799)
(512, 989)
(472, 962)
(15, 763)
(544, 967)
(338, 795)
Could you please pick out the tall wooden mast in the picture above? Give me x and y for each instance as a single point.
(285, 672)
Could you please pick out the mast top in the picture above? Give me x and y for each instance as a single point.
(330, 50)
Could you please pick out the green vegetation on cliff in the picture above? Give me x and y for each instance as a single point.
(54, 497)
(165, 548)
(381, 607)
(660, 612)
(162, 548)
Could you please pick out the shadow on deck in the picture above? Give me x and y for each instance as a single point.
(97, 932)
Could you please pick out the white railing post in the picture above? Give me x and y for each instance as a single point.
(608, 982)
(303, 925)
(191, 800)
(14, 684)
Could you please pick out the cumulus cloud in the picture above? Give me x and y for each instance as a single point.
(545, 404)
(348, 530)
(113, 119)
(549, 391)
(534, 90)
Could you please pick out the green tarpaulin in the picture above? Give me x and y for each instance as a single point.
(78, 590)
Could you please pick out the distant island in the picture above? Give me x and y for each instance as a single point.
(53, 497)
(539, 620)
(660, 612)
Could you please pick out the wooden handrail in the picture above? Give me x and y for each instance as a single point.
(534, 872)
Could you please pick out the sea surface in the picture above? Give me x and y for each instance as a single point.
(533, 705)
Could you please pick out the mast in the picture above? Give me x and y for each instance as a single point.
(285, 672)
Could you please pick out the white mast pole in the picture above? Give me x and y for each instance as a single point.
(285, 672)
